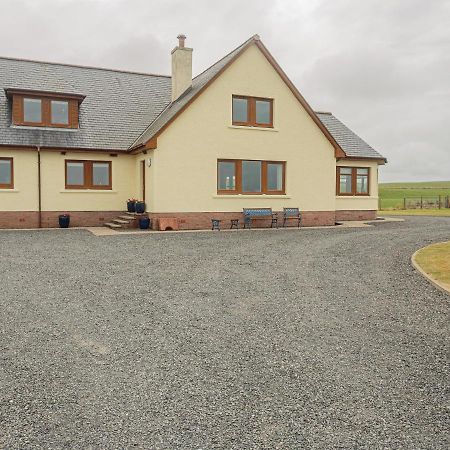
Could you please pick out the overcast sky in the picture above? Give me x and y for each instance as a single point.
(382, 67)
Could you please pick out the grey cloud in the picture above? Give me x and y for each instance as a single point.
(382, 67)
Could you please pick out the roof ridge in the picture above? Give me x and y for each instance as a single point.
(81, 66)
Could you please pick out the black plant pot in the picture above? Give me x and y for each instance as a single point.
(140, 207)
(64, 221)
(131, 206)
(144, 223)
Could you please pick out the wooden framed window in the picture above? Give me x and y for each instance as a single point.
(32, 110)
(352, 180)
(59, 112)
(235, 176)
(227, 177)
(88, 174)
(252, 111)
(36, 111)
(6, 173)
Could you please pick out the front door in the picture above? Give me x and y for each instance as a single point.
(143, 179)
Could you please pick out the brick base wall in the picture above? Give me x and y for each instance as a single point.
(344, 215)
(30, 219)
(19, 219)
(186, 221)
(202, 220)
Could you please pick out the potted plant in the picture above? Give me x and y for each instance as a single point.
(144, 222)
(64, 220)
(131, 205)
(140, 207)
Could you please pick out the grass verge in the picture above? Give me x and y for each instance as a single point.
(415, 212)
(435, 262)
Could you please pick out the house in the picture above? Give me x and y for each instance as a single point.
(83, 140)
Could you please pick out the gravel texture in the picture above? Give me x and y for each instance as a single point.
(251, 339)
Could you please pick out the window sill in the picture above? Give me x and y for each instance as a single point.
(9, 190)
(360, 197)
(28, 127)
(243, 127)
(87, 191)
(255, 196)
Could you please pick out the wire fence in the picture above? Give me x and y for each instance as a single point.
(424, 202)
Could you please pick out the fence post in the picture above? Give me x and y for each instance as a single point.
(439, 202)
(404, 202)
(421, 202)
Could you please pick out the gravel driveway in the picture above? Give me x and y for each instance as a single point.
(262, 339)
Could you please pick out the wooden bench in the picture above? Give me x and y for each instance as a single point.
(251, 214)
(292, 213)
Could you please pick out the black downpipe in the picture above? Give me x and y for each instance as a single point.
(39, 187)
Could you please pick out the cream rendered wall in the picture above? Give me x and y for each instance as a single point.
(185, 162)
(24, 196)
(363, 203)
(56, 198)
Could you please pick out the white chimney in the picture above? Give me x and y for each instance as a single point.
(181, 68)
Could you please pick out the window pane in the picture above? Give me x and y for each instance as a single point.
(60, 112)
(32, 111)
(362, 184)
(362, 171)
(75, 174)
(100, 174)
(227, 176)
(5, 171)
(345, 170)
(240, 111)
(263, 111)
(251, 176)
(274, 177)
(345, 184)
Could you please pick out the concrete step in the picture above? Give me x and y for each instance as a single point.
(127, 217)
(121, 221)
(112, 225)
(130, 214)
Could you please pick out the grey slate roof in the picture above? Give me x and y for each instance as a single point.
(122, 110)
(351, 143)
(118, 106)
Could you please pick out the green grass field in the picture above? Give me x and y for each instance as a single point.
(392, 194)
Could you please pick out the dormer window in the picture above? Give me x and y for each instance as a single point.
(44, 109)
(252, 111)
